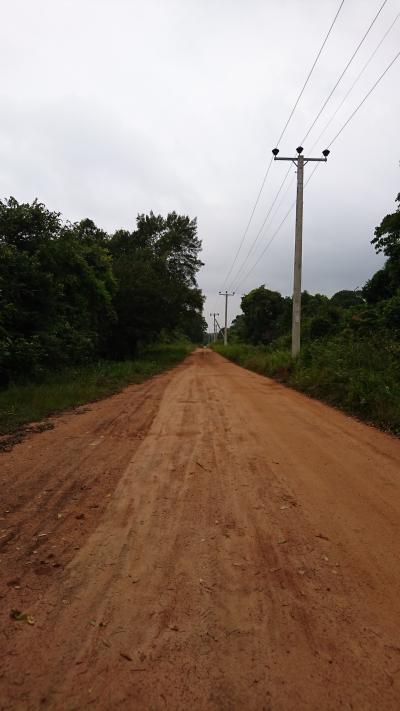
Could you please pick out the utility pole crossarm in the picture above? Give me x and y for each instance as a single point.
(225, 293)
(299, 161)
(306, 160)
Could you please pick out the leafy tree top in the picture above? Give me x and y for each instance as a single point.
(387, 234)
(25, 225)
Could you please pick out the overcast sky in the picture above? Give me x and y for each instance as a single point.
(114, 107)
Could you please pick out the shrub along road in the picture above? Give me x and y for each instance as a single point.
(208, 539)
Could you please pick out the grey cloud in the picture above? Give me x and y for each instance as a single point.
(114, 108)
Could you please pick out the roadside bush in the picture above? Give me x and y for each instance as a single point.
(359, 375)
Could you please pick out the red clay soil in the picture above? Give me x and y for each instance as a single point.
(206, 540)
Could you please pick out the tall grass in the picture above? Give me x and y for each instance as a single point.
(360, 376)
(21, 404)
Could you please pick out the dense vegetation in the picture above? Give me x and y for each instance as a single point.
(71, 294)
(74, 386)
(350, 353)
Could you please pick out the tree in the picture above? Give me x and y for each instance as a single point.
(56, 291)
(345, 299)
(384, 284)
(155, 268)
(69, 293)
(237, 329)
(262, 310)
(387, 235)
(380, 286)
(26, 226)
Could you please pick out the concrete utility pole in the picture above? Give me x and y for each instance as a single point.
(225, 293)
(215, 325)
(299, 162)
(218, 329)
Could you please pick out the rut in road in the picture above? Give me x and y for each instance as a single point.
(247, 559)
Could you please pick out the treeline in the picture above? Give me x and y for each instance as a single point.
(70, 293)
(350, 352)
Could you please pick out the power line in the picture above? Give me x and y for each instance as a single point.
(313, 124)
(309, 74)
(345, 70)
(367, 63)
(249, 222)
(267, 245)
(341, 104)
(261, 228)
(280, 138)
(364, 99)
(317, 164)
(276, 232)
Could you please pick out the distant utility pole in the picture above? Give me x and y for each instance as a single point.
(218, 329)
(215, 325)
(299, 162)
(225, 293)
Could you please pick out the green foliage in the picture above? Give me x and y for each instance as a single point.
(70, 294)
(350, 354)
(23, 403)
(265, 313)
(357, 375)
(380, 286)
(385, 283)
(156, 268)
(56, 290)
(387, 235)
(261, 359)
(345, 299)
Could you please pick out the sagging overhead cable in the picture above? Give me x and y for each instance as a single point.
(280, 138)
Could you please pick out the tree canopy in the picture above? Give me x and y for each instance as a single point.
(266, 314)
(70, 293)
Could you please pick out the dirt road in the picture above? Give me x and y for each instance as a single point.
(206, 540)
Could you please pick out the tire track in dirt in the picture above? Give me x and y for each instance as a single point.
(246, 559)
(61, 485)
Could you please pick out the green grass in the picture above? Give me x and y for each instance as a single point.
(22, 404)
(359, 376)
